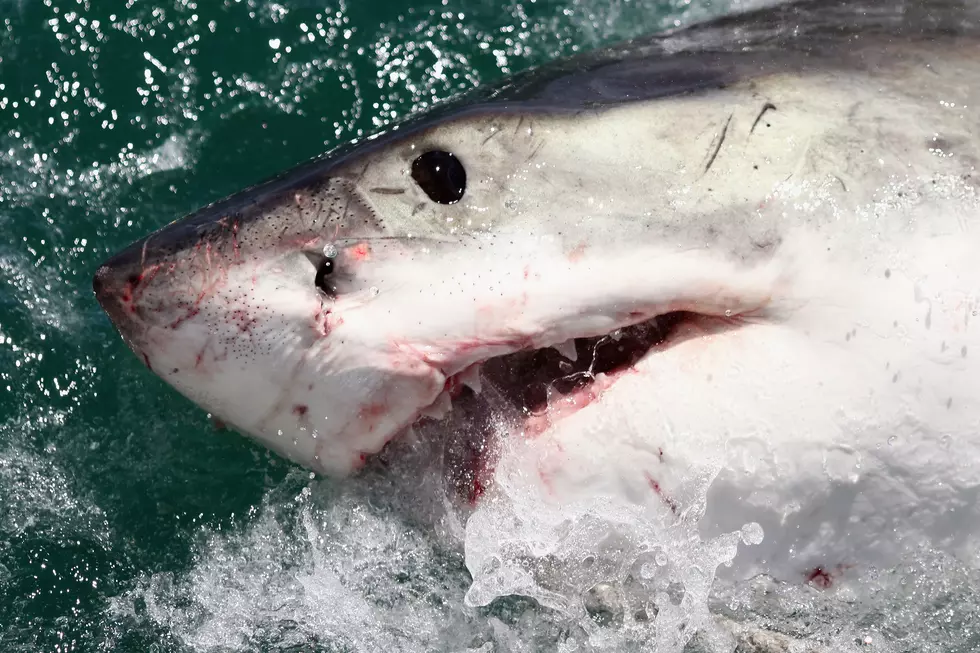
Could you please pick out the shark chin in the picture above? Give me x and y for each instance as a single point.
(720, 282)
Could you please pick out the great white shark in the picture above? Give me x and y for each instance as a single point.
(753, 242)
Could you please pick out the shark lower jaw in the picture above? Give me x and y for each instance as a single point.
(529, 392)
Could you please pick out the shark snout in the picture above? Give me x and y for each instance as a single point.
(115, 284)
(135, 288)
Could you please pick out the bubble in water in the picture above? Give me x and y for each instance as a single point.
(752, 533)
(330, 250)
(375, 291)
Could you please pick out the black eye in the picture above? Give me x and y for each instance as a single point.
(440, 175)
(323, 272)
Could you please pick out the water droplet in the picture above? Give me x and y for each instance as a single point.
(330, 250)
(752, 533)
(891, 440)
(375, 291)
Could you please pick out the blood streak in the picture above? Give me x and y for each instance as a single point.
(234, 240)
(480, 469)
(453, 386)
(822, 578)
(568, 404)
(659, 491)
(324, 321)
(819, 577)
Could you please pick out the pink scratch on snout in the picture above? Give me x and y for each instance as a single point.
(136, 285)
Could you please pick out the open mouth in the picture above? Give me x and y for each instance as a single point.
(542, 384)
(528, 392)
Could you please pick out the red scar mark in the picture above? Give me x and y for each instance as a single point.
(576, 254)
(360, 252)
(370, 412)
(244, 322)
(191, 313)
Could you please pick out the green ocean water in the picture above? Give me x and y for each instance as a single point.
(127, 521)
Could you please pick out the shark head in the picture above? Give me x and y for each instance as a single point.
(755, 258)
(326, 312)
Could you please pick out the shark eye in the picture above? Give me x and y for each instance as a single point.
(323, 272)
(441, 175)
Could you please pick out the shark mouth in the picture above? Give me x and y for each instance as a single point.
(528, 392)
